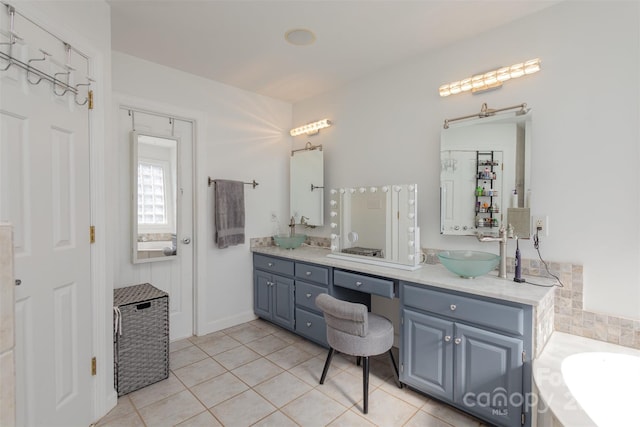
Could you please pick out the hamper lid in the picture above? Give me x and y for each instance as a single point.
(136, 293)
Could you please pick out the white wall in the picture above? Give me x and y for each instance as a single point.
(585, 135)
(240, 136)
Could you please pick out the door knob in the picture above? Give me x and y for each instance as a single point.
(186, 240)
(18, 282)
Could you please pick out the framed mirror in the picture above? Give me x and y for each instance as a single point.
(154, 181)
(485, 176)
(376, 225)
(307, 185)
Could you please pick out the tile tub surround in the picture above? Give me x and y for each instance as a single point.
(568, 313)
(259, 374)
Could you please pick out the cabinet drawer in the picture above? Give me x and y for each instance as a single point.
(275, 265)
(359, 282)
(306, 294)
(494, 315)
(312, 272)
(311, 326)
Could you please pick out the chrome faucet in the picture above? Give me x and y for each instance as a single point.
(502, 239)
(303, 221)
(292, 227)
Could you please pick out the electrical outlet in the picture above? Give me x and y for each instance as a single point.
(541, 225)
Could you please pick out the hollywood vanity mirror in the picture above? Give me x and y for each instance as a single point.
(485, 173)
(154, 174)
(376, 225)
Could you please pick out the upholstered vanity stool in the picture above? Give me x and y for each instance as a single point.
(354, 331)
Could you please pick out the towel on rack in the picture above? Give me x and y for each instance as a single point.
(229, 213)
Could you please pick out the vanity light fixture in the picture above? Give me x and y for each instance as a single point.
(311, 128)
(491, 79)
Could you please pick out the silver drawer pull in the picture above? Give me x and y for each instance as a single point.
(358, 283)
(270, 264)
(308, 324)
(457, 340)
(308, 273)
(447, 338)
(18, 282)
(309, 295)
(453, 307)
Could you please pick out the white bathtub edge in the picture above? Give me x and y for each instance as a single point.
(554, 395)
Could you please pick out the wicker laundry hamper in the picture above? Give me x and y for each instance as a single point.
(141, 337)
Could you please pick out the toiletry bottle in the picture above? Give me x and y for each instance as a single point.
(518, 276)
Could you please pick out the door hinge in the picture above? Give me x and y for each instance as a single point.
(524, 356)
(94, 364)
(522, 418)
(90, 99)
(402, 367)
(92, 234)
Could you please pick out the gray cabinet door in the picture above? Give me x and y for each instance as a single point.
(262, 294)
(427, 354)
(489, 374)
(283, 301)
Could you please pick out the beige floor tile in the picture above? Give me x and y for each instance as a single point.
(253, 373)
(200, 371)
(243, 409)
(123, 407)
(235, 357)
(186, 356)
(179, 345)
(311, 348)
(351, 419)
(204, 338)
(248, 333)
(218, 344)
(267, 345)
(218, 389)
(386, 410)
(344, 388)
(129, 420)
(276, 419)
(423, 419)
(282, 389)
(263, 324)
(450, 415)
(172, 410)
(287, 336)
(203, 419)
(155, 392)
(313, 409)
(311, 370)
(289, 357)
(406, 394)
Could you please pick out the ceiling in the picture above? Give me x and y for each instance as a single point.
(241, 43)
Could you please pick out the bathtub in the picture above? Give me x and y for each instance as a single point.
(584, 382)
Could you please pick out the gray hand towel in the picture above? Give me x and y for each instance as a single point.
(229, 213)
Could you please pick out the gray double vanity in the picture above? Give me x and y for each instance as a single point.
(469, 343)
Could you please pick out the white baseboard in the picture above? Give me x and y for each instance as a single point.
(227, 322)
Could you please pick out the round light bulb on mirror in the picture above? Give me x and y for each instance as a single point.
(411, 229)
(334, 236)
(334, 225)
(412, 187)
(411, 243)
(412, 202)
(385, 189)
(397, 188)
(373, 189)
(352, 190)
(342, 191)
(411, 215)
(334, 191)
(334, 247)
(362, 190)
(333, 203)
(333, 213)
(411, 257)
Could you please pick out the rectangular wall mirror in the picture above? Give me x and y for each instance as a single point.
(485, 175)
(154, 175)
(307, 185)
(376, 225)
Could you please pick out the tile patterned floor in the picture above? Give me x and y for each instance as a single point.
(257, 374)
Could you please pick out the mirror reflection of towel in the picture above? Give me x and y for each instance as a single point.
(229, 213)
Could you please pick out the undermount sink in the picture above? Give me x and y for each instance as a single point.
(289, 242)
(469, 264)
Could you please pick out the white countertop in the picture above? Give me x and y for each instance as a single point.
(434, 275)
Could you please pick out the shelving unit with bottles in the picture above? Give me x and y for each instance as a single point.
(487, 206)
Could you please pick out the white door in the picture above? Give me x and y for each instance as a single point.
(45, 193)
(174, 275)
